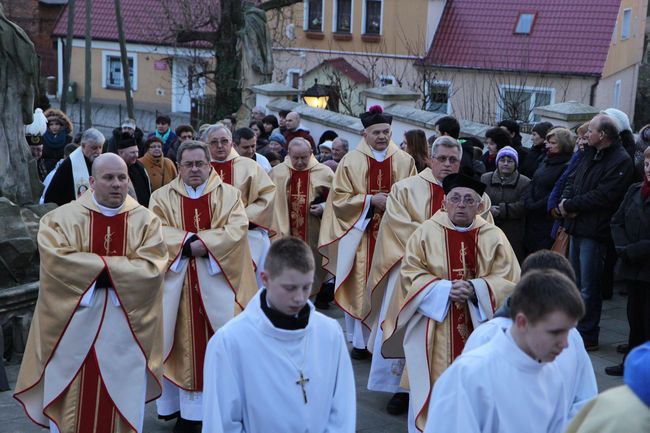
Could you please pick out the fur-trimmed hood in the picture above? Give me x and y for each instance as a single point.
(60, 115)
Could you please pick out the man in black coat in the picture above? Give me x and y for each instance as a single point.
(590, 199)
(139, 185)
(128, 127)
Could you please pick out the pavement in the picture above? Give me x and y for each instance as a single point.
(371, 413)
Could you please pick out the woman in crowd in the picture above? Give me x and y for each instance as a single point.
(160, 170)
(59, 133)
(495, 140)
(270, 123)
(415, 144)
(631, 234)
(277, 143)
(506, 188)
(538, 149)
(559, 149)
(260, 133)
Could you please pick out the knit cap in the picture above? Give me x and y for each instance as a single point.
(508, 151)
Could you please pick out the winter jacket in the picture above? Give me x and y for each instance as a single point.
(302, 133)
(529, 163)
(538, 221)
(507, 193)
(596, 191)
(556, 194)
(161, 171)
(631, 233)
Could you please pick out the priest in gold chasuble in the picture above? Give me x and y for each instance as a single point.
(94, 352)
(302, 188)
(410, 202)
(256, 187)
(352, 215)
(457, 269)
(210, 277)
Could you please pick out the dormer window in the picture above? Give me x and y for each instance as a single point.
(525, 23)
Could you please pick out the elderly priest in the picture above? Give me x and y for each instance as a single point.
(94, 352)
(457, 269)
(351, 219)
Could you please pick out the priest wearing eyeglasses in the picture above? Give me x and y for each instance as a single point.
(209, 278)
(457, 269)
(411, 202)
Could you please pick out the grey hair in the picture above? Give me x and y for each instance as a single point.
(296, 141)
(446, 141)
(260, 109)
(191, 145)
(344, 142)
(92, 134)
(214, 128)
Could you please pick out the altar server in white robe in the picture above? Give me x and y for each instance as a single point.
(280, 366)
(574, 363)
(510, 384)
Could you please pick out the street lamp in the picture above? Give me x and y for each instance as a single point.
(316, 96)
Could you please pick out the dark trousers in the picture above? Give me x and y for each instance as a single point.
(638, 312)
(587, 257)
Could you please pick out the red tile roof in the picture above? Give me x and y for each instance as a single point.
(568, 37)
(145, 21)
(343, 66)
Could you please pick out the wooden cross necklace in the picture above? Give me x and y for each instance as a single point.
(302, 381)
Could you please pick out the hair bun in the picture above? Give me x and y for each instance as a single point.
(375, 109)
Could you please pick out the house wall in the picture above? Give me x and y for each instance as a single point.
(153, 87)
(475, 95)
(625, 53)
(606, 89)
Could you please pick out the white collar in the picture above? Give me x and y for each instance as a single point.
(379, 155)
(463, 229)
(195, 192)
(107, 211)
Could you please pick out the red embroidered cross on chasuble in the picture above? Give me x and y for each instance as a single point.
(380, 179)
(224, 170)
(197, 216)
(461, 263)
(97, 411)
(299, 203)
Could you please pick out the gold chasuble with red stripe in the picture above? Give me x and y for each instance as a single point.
(461, 265)
(96, 409)
(437, 254)
(346, 244)
(299, 203)
(297, 190)
(197, 216)
(100, 288)
(224, 170)
(380, 179)
(199, 297)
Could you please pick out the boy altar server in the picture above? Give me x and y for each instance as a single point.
(280, 366)
(510, 384)
(574, 363)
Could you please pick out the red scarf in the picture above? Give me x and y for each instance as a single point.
(645, 189)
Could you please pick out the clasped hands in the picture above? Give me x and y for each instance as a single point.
(379, 201)
(461, 291)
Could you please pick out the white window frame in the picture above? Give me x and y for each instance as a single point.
(616, 98)
(504, 87)
(440, 83)
(105, 55)
(335, 16)
(626, 24)
(294, 71)
(363, 20)
(305, 20)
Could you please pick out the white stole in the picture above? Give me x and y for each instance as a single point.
(80, 175)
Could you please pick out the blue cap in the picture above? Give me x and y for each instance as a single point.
(637, 372)
(279, 138)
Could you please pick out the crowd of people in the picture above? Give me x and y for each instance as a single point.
(188, 267)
